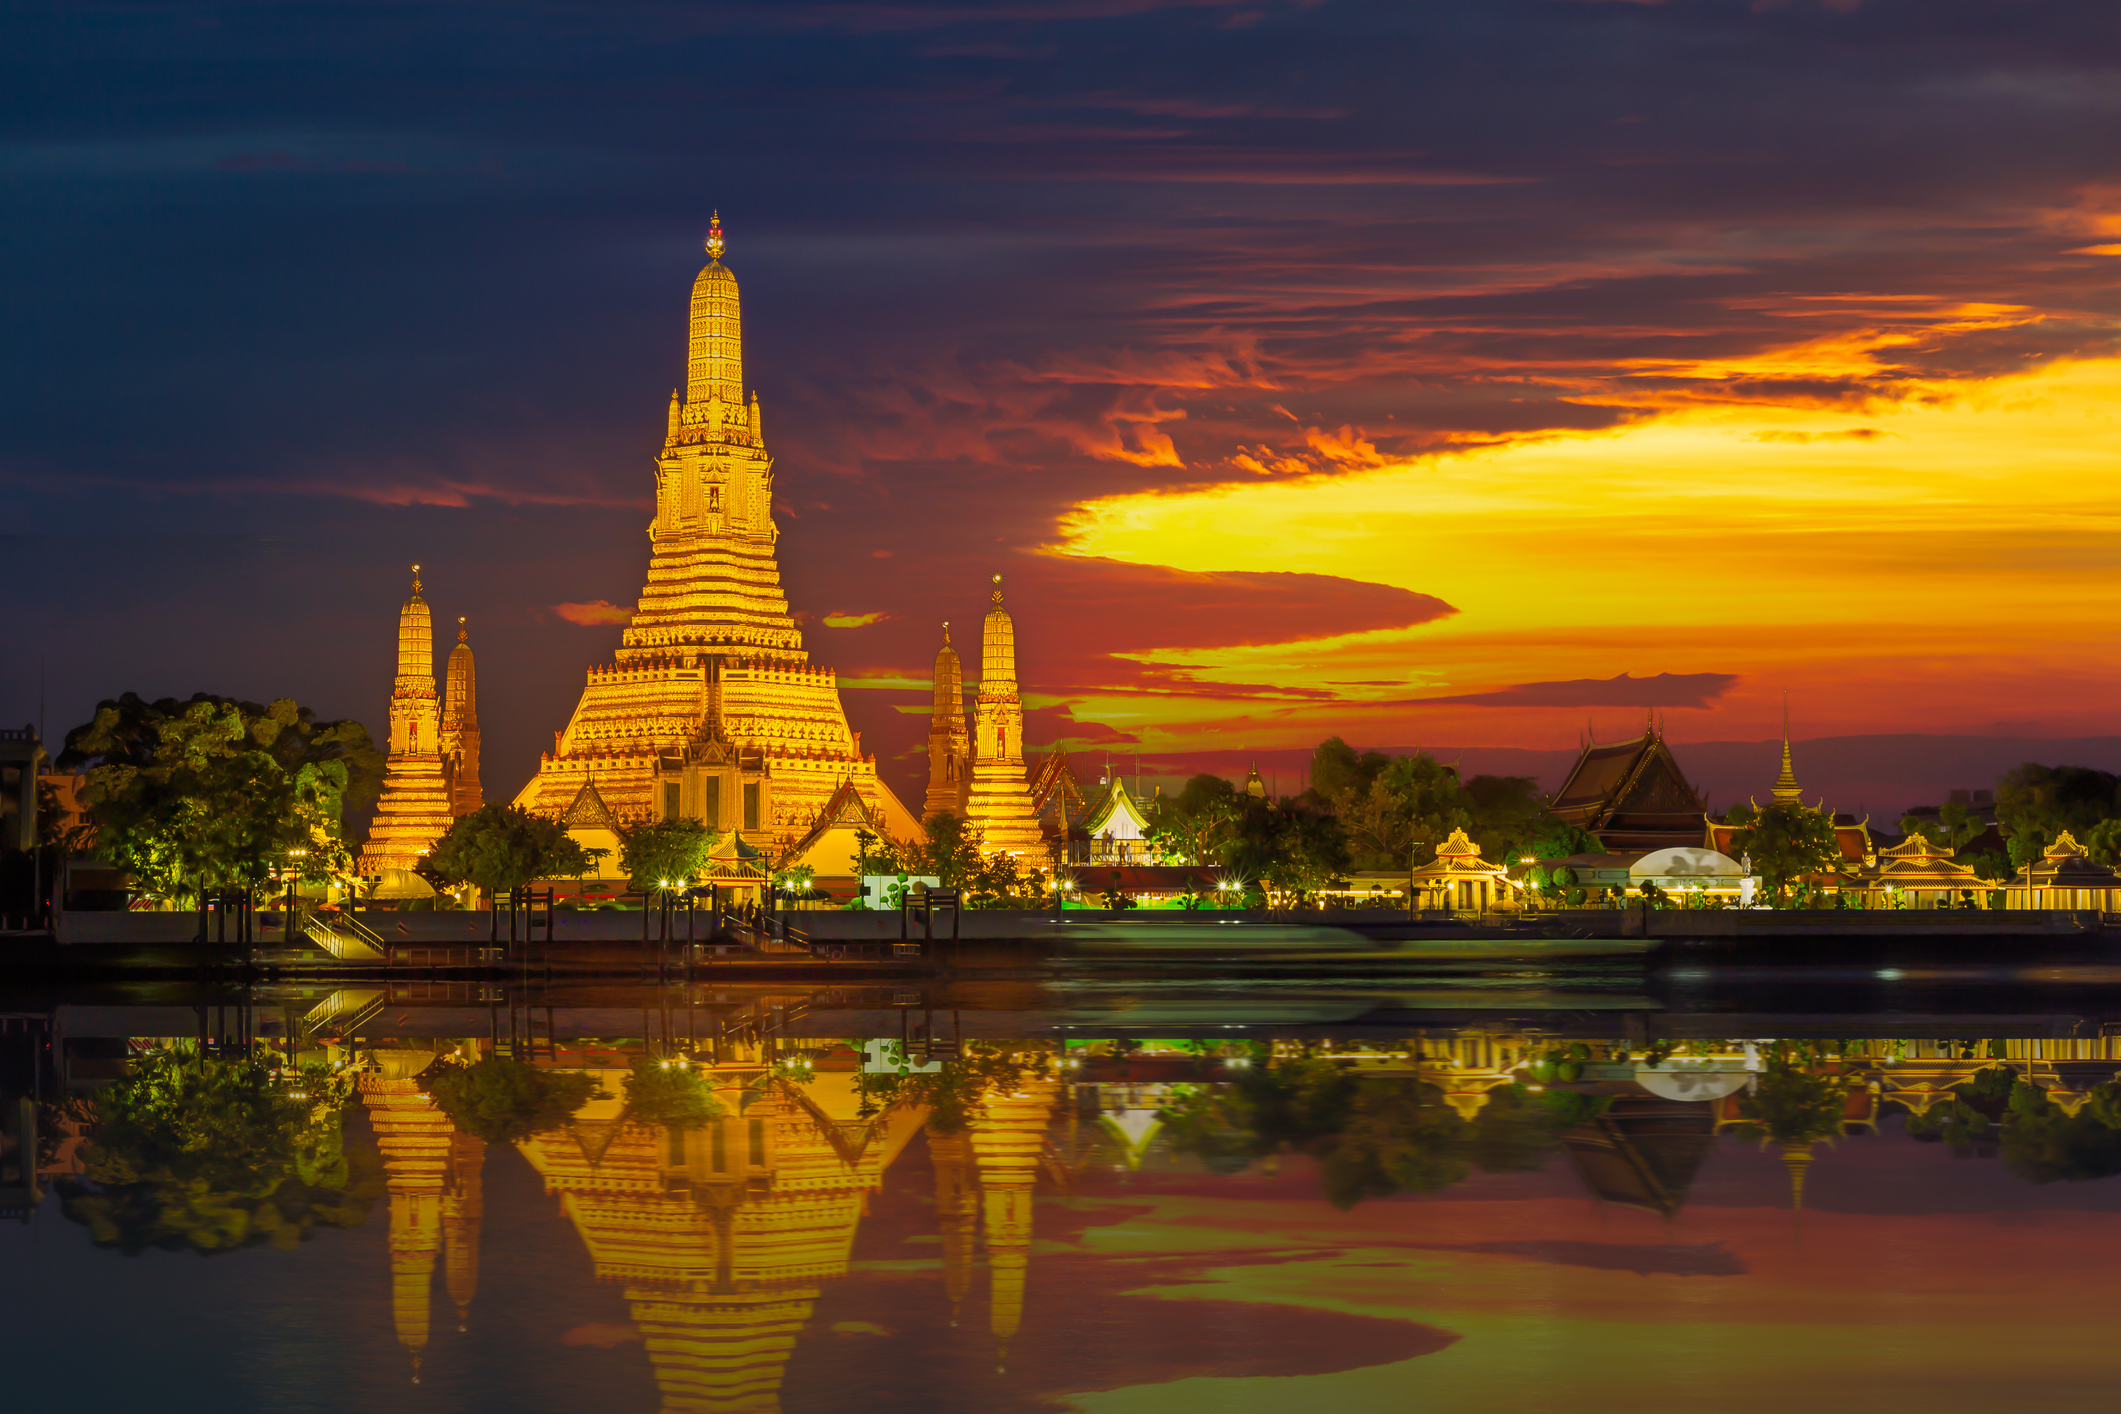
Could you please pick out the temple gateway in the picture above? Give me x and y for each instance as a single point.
(712, 710)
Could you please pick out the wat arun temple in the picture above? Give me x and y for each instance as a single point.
(711, 709)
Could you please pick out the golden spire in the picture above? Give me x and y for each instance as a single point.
(1786, 791)
(463, 634)
(416, 581)
(715, 244)
(997, 588)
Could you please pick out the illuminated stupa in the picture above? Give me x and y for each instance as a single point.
(949, 745)
(416, 1140)
(711, 709)
(998, 805)
(1008, 1136)
(414, 810)
(724, 1234)
(460, 728)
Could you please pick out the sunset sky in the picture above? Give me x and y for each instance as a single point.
(1458, 375)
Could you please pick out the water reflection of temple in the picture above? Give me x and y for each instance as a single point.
(432, 1174)
(723, 1235)
(1008, 1135)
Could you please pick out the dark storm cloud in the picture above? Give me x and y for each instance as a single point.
(408, 282)
(1662, 690)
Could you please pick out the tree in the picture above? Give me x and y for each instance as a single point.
(1506, 813)
(1554, 839)
(2103, 842)
(1954, 826)
(501, 1100)
(1338, 769)
(948, 851)
(2035, 804)
(215, 1153)
(214, 793)
(1786, 842)
(666, 854)
(669, 1092)
(498, 848)
(1296, 848)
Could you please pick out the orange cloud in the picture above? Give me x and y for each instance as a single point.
(596, 611)
(854, 620)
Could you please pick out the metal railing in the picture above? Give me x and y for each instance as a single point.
(348, 939)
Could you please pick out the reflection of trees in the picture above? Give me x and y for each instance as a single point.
(1372, 1135)
(2042, 1144)
(954, 1093)
(214, 1153)
(501, 1100)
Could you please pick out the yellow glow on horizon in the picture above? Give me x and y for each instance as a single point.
(1953, 541)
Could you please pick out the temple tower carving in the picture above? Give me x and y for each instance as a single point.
(414, 810)
(711, 709)
(460, 728)
(998, 804)
(949, 744)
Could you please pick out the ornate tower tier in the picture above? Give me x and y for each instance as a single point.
(949, 745)
(460, 729)
(999, 802)
(711, 709)
(414, 809)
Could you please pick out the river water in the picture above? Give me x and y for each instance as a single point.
(1596, 1188)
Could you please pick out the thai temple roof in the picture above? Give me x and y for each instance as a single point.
(1631, 794)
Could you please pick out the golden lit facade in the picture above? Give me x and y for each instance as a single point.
(414, 810)
(998, 805)
(724, 1234)
(949, 744)
(419, 1147)
(460, 728)
(712, 710)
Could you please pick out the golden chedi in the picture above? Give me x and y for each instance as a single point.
(460, 728)
(949, 744)
(414, 810)
(998, 805)
(711, 709)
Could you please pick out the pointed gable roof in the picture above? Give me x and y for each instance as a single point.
(1632, 794)
(1115, 811)
(588, 811)
(845, 810)
(1054, 785)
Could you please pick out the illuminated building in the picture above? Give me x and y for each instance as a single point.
(1923, 874)
(1631, 794)
(949, 745)
(460, 728)
(829, 848)
(2064, 877)
(417, 1144)
(414, 810)
(1459, 879)
(1117, 827)
(1255, 785)
(711, 709)
(1008, 1135)
(1852, 837)
(722, 1235)
(1057, 800)
(998, 805)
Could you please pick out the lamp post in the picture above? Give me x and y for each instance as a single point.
(294, 897)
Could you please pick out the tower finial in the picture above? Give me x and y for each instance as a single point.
(1786, 791)
(462, 634)
(997, 589)
(946, 633)
(715, 244)
(415, 579)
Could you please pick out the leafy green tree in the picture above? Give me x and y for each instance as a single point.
(1298, 849)
(500, 847)
(1787, 841)
(214, 793)
(2103, 842)
(958, 1090)
(1796, 1102)
(213, 1153)
(948, 851)
(1554, 839)
(794, 881)
(501, 1100)
(669, 1092)
(2035, 804)
(875, 854)
(666, 854)
(1506, 813)
(1338, 769)
(1954, 826)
